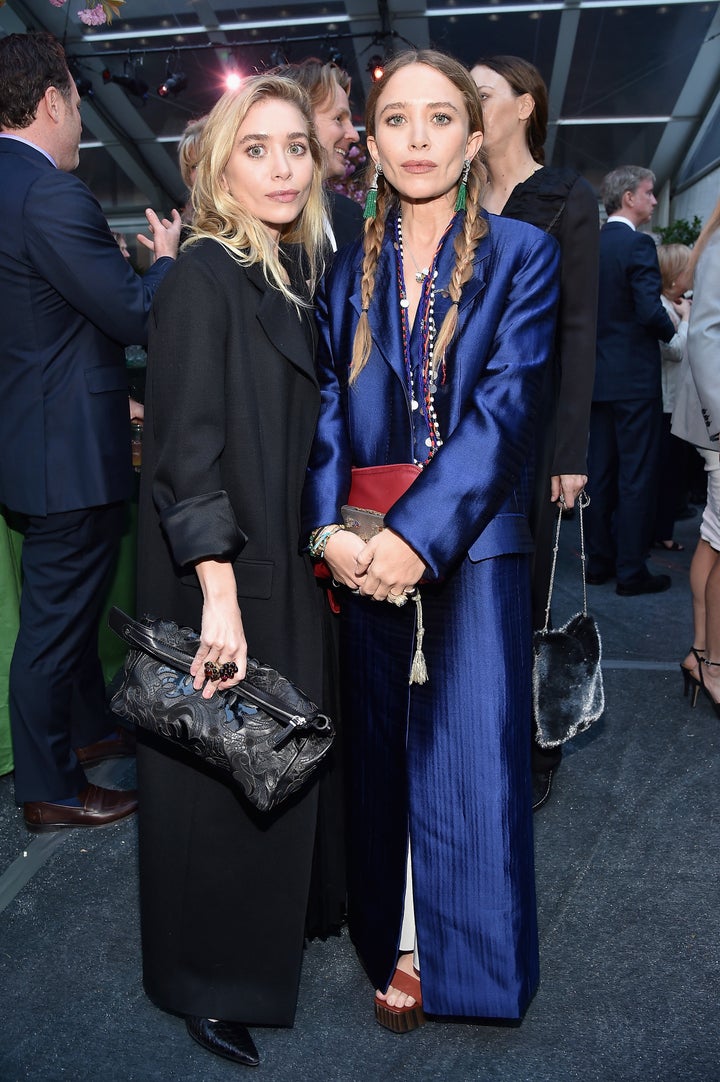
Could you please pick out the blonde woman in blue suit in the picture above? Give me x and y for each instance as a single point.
(434, 334)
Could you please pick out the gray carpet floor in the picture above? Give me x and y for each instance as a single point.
(628, 865)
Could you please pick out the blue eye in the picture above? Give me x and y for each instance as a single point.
(297, 149)
(395, 120)
(441, 118)
(256, 151)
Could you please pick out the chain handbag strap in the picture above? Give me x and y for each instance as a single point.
(581, 503)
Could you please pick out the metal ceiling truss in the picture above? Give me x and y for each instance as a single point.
(371, 26)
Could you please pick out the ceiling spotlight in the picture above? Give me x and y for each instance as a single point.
(175, 80)
(233, 81)
(334, 55)
(376, 67)
(137, 87)
(173, 83)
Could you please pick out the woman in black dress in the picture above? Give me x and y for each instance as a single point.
(232, 403)
(560, 202)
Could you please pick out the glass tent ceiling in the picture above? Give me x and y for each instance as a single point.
(631, 82)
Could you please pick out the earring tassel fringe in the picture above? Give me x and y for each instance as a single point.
(370, 203)
(461, 200)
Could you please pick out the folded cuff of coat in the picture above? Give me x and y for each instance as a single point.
(202, 528)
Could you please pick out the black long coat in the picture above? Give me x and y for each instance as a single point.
(232, 402)
(561, 203)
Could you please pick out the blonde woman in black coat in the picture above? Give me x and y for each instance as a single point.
(231, 409)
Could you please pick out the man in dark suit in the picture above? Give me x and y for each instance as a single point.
(70, 305)
(328, 87)
(626, 416)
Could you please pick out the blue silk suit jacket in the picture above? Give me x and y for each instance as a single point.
(445, 763)
(465, 502)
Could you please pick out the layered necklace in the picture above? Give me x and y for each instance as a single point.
(423, 390)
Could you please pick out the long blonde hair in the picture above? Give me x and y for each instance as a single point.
(474, 225)
(222, 217)
(189, 149)
(706, 232)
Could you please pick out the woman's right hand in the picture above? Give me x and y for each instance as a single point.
(341, 552)
(222, 637)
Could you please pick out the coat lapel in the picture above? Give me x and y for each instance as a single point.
(384, 314)
(477, 283)
(293, 336)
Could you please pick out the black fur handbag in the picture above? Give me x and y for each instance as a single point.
(264, 731)
(568, 693)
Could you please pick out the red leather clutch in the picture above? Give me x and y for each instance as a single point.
(375, 488)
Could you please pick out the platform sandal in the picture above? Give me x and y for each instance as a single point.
(704, 688)
(691, 685)
(401, 1019)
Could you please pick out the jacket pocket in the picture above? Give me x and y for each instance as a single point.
(254, 578)
(506, 534)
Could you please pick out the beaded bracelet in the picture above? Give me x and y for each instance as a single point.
(320, 537)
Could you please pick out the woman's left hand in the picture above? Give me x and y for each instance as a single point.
(567, 485)
(388, 565)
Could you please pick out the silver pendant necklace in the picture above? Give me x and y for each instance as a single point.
(421, 273)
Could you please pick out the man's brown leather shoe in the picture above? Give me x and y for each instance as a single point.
(122, 744)
(99, 807)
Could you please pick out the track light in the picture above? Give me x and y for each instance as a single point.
(137, 87)
(376, 67)
(172, 84)
(334, 55)
(175, 80)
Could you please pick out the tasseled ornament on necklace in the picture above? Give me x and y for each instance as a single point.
(418, 669)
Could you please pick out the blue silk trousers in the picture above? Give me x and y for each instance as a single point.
(448, 763)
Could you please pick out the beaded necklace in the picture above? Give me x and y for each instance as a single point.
(422, 398)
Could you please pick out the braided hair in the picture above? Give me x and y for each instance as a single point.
(388, 202)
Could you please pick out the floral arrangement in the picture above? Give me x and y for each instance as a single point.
(353, 183)
(101, 13)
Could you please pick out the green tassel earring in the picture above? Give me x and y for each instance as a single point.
(371, 197)
(461, 200)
